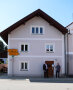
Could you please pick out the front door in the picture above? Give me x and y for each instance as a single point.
(50, 68)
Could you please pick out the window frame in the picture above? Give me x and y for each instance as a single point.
(24, 69)
(38, 30)
(24, 47)
(50, 48)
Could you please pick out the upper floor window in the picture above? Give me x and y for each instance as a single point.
(49, 48)
(37, 30)
(41, 30)
(24, 47)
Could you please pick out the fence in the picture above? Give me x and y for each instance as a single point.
(3, 67)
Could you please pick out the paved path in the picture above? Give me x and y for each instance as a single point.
(21, 83)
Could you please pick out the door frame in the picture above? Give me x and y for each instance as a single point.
(51, 61)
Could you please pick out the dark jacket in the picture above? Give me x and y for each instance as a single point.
(44, 67)
(58, 68)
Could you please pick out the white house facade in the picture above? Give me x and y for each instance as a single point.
(38, 39)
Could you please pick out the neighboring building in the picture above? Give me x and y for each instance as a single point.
(70, 49)
(39, 39)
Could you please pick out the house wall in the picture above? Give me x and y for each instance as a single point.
(36, 56)
(70, 50)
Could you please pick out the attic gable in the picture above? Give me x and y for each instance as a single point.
(38, 12)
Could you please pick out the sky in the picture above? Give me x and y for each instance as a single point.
(12, 11)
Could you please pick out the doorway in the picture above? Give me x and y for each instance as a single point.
(50, 68)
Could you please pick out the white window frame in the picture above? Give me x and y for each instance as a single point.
(24, 66)
(24, 47)
(49, 45)
(38, 30)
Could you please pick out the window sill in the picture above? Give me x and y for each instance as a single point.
(49, 51)
(23, 70)
(24, 51)
(37, 34)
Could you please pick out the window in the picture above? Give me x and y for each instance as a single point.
(24, 47)
(41, 30)
(24, 66)
(37, 30)
(49, 48)
(33, 30)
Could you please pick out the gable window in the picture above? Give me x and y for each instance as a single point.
(33, 30)
(37, 30)
(41, 30)
(24, 66)
(24, 47)
(49, 48)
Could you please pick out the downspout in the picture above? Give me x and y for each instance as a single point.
(65, 52)
(66, 49)
(67, 55)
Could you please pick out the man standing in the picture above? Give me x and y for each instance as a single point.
(58, 70)
(45, 68)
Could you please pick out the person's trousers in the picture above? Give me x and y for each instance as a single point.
(45, 73)
(57, 74)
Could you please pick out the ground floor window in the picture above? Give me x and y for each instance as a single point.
(24, 66)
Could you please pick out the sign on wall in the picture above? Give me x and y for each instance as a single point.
(13, 52)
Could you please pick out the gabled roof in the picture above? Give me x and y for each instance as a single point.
(69, 24)
(38, 12)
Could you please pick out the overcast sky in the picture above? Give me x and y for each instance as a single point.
(13, 10)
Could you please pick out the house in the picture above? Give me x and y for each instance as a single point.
(70, 49)
(39, 39)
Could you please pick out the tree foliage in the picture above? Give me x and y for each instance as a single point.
(2, 46)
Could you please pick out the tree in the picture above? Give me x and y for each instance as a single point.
(2, 47)
(6, 48)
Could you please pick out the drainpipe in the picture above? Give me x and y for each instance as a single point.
(68, 51)
(65, 52)
(66, 45)
(67, 56)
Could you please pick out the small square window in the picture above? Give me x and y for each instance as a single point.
(24, 66)
(49, 48)
(24, 47)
